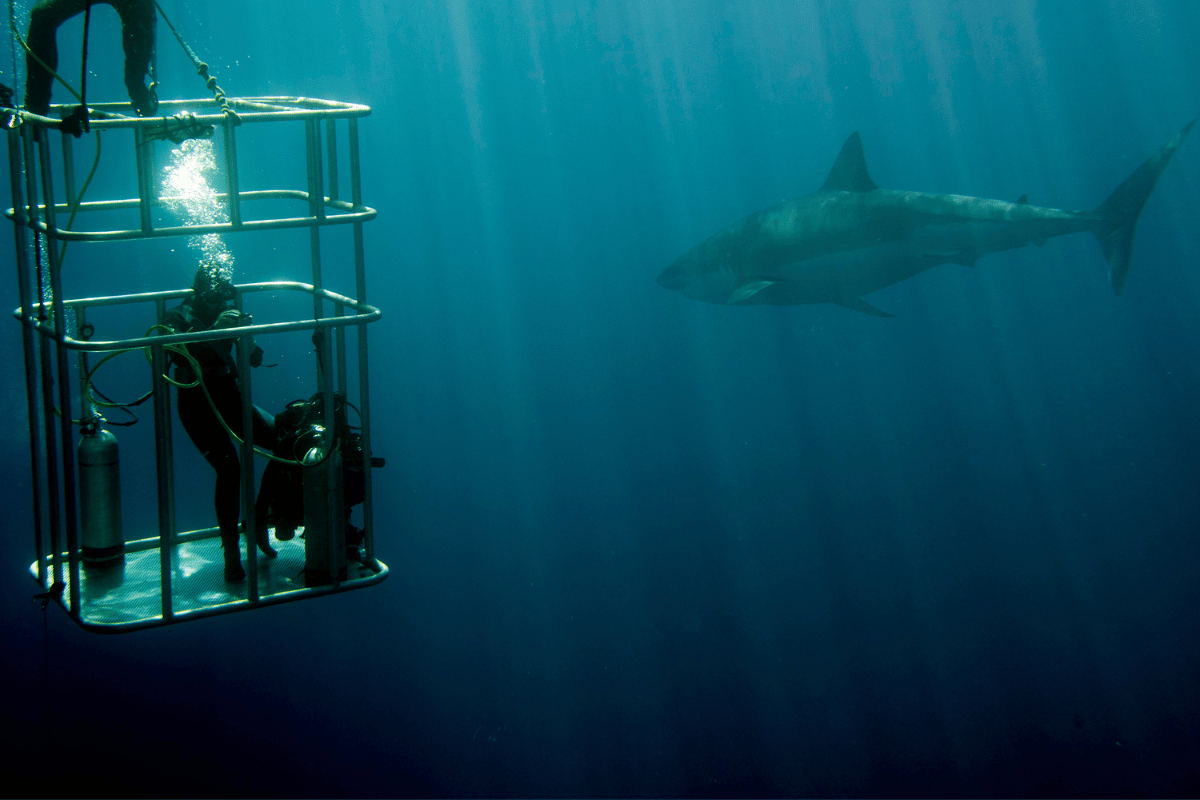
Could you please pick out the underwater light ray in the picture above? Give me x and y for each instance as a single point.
(188, 193)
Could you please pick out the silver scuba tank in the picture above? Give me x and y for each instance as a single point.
(324, 535)
(100, 499)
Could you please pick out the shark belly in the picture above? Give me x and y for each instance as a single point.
(844, 275)
(964, 243)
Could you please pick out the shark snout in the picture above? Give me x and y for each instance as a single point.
(669, 281)
(672, 277)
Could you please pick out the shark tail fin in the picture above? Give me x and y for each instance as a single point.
(1120, 212)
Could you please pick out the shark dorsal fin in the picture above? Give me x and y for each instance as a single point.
(1023, 200)
(849, 173)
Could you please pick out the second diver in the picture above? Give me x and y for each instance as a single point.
(208, 308)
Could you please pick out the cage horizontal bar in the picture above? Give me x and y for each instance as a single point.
(348, 214)
(366, 314)
(250, 110)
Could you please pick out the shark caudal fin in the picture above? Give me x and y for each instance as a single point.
(1121, 210)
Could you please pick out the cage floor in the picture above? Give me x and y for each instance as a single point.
(130, 595)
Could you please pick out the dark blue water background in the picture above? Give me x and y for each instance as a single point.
(645, 546)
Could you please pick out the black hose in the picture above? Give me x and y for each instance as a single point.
(87, 26)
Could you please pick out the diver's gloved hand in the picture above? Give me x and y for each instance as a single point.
(229, 318)
(76, 122)
(256, 356)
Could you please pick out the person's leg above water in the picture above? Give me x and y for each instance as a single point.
(138, 22)
(44, 20)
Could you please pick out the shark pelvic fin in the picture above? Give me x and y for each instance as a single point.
(858, 304)
(964, 257)
(748, 290)
(849, 173)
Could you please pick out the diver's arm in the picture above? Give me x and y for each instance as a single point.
(232, 318)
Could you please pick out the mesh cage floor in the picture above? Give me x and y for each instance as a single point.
(129, 595)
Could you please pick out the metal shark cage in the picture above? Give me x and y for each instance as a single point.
(118, 581)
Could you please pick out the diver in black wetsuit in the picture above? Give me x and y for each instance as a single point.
(138, 22)
(208, 308)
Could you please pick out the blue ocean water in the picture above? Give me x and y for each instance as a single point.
(645, 546)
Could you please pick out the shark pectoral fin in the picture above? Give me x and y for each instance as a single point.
(858, 304)
(748, 290)
(849, 173)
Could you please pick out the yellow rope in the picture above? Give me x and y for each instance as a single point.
(62, 253)
(182, 351)
(95, 162)
(179, 350)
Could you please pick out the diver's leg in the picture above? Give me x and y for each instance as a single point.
(227, 499)
(44, 20)
(205, 431)
(262, 504)
(228, 399)
(264, 437)
(138, 22)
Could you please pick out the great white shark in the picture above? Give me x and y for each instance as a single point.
(850, 238)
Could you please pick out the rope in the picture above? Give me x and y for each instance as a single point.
(180, 128)
(202, 71)
(84, 116)
(41, 279)
(199, 382)
(179, 350)
(62, 253)
(12, 45)
(198, 371)
(55, 592)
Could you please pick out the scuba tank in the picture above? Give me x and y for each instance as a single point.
(329, 475)
(100, 498)
(324, 532)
